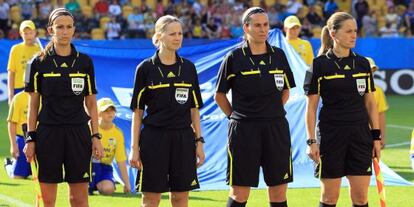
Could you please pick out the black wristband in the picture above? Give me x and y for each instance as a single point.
(376, 134)
(31, 137)
(97, 136)
(200, 139)
(228, 117)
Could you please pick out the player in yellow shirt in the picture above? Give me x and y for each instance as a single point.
(19, 168)
(113, 143)
(382, 104)
(20, 54)
(412, 150)
(292, 27)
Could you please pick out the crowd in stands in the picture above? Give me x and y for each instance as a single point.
(212, 19)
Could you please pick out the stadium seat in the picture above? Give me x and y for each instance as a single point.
(317, 32)
(103, 21)
(318, 10)
(302, 12)
(92, 3)
(126, 10)
(41, 33)
(15, 14)
(344, 5)
(83, 3)
(136, 2)
(97, 34)
(87, 11)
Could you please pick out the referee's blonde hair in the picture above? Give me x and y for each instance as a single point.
(333, 24)
(161, 27)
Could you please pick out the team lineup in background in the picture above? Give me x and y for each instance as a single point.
(52, 102)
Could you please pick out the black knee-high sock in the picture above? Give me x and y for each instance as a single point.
(233, 203)
(278, 204)
(326, 205)
(366, 205)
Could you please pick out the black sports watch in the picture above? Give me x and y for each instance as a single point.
(97, 136)
(200, 139)
(310, 141)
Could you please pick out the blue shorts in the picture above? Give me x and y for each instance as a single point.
(21, 166)
(100, 172)
(17, 90)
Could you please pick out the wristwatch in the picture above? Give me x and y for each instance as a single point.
(97, 136)
(310, 141)
(200, 139)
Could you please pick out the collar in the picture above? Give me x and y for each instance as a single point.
(331, 55)
(73, 52)
(247, 51)
(155, 59)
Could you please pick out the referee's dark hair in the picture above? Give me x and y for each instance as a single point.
(52, 16)
(249, 12)
(333, 24)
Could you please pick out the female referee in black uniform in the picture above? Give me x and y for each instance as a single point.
(344, 81)
(169, 148)
(260, 77)
(63, 79)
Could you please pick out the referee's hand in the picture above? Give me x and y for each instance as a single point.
(135, 159)
(97, 149)
(29, 151)
(200, 156)
(313, 152)
(376, 151)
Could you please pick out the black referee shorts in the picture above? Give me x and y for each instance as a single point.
(255, 144)
(344, 150)
(64, 153)
(168, 160)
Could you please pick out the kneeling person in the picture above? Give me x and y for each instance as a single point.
(113, 143)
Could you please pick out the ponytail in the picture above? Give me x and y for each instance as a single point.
(326, 41)
(42, 54)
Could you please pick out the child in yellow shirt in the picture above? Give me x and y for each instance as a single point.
(113, 144)
(20, 54)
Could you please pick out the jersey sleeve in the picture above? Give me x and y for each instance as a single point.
(32, 76)
(309, 52)
(382, 104)
(289, 79)
(91, 78)
(13, 112)
(225, 74)
(120, 154)
(311, 84)
(196, 94)
(138, 94)
(11, 65)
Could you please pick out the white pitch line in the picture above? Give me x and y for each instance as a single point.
(13, 201)
(397, 144)
(400, 126)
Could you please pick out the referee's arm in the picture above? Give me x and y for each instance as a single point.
(91, 107)
(34, 102)
(223, 103)
(135, 160)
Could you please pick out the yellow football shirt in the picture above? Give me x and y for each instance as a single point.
(20, 54)
(18, 111)
(382, 104)
(113, 144)
(303, 48)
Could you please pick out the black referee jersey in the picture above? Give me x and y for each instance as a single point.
(168, 91)
(62, 82)
(341, 83)
(256, 82)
